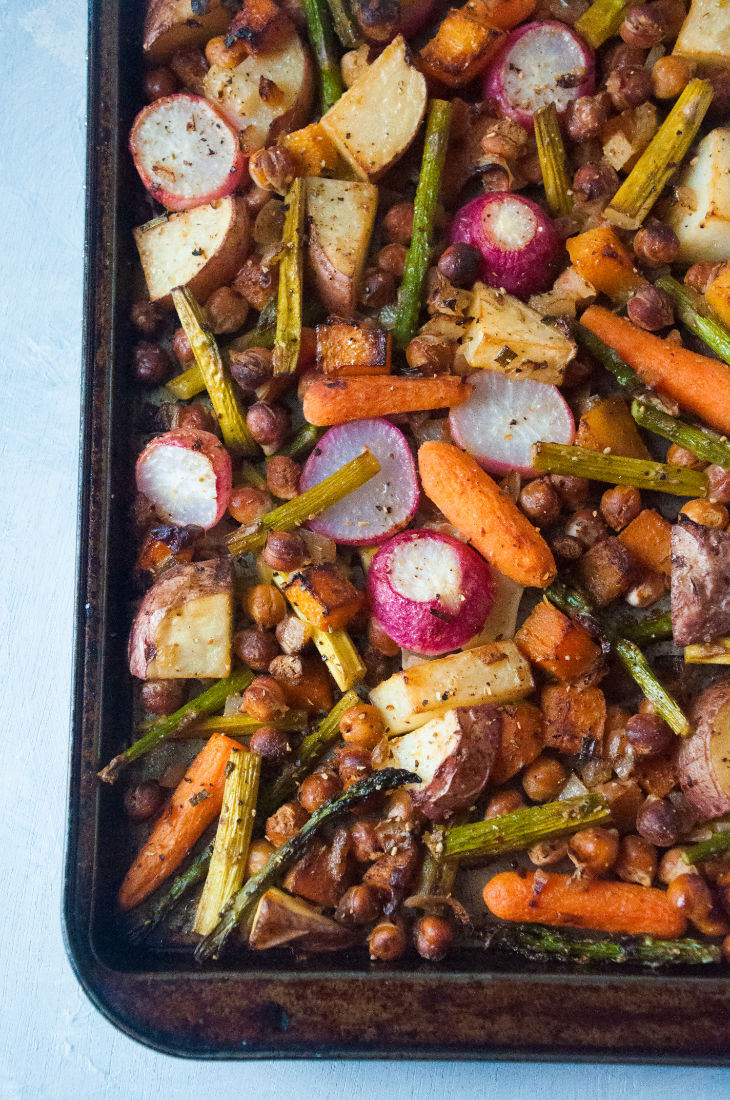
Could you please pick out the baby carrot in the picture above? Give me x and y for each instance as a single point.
(489, 519)
(195, 804)
(696, 383)
(333, 401)
(549, 898)
(602, 260)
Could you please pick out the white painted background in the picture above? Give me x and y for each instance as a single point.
(53, 1045)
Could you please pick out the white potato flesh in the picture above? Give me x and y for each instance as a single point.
(342, 215)
(502, 619)
(496, 673)
(376, 119)
(181, 483)
(172, 25)
(425, 749)
(194, 640)
(700, 213)
(264, 95)
(500, 323)
(705, 33)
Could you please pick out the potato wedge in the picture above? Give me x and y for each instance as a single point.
(281, 920)
(700, 213)
(341, 217)
(265, 95)
(202, 248)
(705, 34)
(184, 624)
(376, 119)
(496, 673)
(172, 25)
(704, 758)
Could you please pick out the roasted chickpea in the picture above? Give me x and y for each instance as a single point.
(196, 417)
(273, 169)
(225, 57)
(699, 276)
(644, 26)
(565, 548)
(399, 223)
(257, 281)
(540, 502)
(629, 87)
(152, 364)
(585, 117)
(431, 355)
(387, 942)
(162, 696)
(270, 425)
(318, 788)
(620, 505)
(573, 491)
(147, 317)
(656, 244)
(690, 895)
(587, 526)
(650, 308)
(256, 199)
(285, 823)
(377, 288)
(672, 864)
(272, 744)
(719, 479)
(433, 938)
(594, 850)
(658, 822)
(255, 647)
(622, 56)
(252, 368)
(706, 512)
(282, 477)
(264, 604)
(362, 726)
(365, 843)
(143, 800)
(158, 83)
(400, 806)
(381, 641)
(596, 181)
(181, 349)
(247, 504)
(678, 456)
(353, 763)
(503, 802)
(460, 264)
(190, 67)
(648, 734)
(548, 852)
(287, 670)
(285, 550)
(359, 905)
(392, 258)
(259, 854)
(264, 699)
(637, 861)
(227, 310)
(543, 778)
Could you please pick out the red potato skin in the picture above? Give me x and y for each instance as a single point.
(234, 178)
(206, 443)
(699, 781)
(462, 777)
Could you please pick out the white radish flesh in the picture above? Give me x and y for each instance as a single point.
(504, 417)
(186, 153)
(382, 506)
(186, 474)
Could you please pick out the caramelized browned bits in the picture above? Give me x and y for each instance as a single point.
(270, 425)
(146, 317)
(573, 491)
(620, 505)
(255, 647)
(543, 778)
(271, 744)
(637, 861)
(362, 726)
(678, 456)
(392, 258)
(377, 288)
(318, 788)
(433, 938)
(387, 942)
(190, 67)
(265, 604)
(248, 505)
(594, 850)
(595, 181)
(398, 223)
(504, 802)
(540, 502)
(227, 311)
(377, 666)
(359, 905)
(585, 117)
(158, 83)
(285, 551)
(629, 87)
(282, 477)
(273, 169)
(587, 526)
(658, 822)
(656, 244)
(152, 364)
(650, 308)
(706, 512)
(251, 369)
(431, 355)
(644, 26)
(181, 349)
(162, 696)
(699, 276)
(264, 699)
(285, 823)
(460, 264)
(143, 800)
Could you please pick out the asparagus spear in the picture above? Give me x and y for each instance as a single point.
(625, 375)
(218, 381)
(252, 476)
(304, 441)
(240, 725)
(242, 903)
(323, 47)
(659, 161)
(707, 445)
(307, 505)
(716, 652)
(344, 25)
(650, 628)
(715, 845)
(540, 943)
(410, 294)
(551, 154)
(521, 829)
(171, 897)
(289, 307)
(694, 312)
(233, 837)
(558, 458)
(209, 701)
(601, 21)
(191, 382)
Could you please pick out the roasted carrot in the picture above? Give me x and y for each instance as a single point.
(486, 516)
(574, 717)
(602, 260)
(556, 643)
(314, 690)
(649, 539)
(504, 14)
(696, 383)
(195, 805)
(548, 898)
(337, 400)
(607, 426)
(521, 742)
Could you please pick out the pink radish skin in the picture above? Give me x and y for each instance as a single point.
(186, 474)
(382, 506)
(520, 246)
(429, 592)
(539, 63)
(504, 417)
(186, 153)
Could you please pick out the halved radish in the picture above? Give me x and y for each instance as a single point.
(504, 417)
(186, 153)
(430, 593)
(382, 506)
(520, 246)
(540, 63)
(186, 474)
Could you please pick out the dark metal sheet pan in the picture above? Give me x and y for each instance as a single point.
(271, 1007)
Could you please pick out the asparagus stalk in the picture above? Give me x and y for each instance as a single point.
(715, 845)
(410, 294)
(310, 752)
(551, 154)
(174, 894)
(289, 308)
(191, 382)
(557, 458)
(344, 25)
(218, 381)
(659, 161)
(650, 628)
(694, 312)
(521, 829)
(232, 839)
(307, 505)
(625, 375)
(707, 445)
(716, 652)
(252, 476)
(279, 862)
(323, 47)
(303, 442)
(240, 725)
(207, 703)
(540, 943)
(601, 21)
